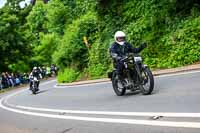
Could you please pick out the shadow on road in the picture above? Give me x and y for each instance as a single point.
(42, 91)
(130, 93)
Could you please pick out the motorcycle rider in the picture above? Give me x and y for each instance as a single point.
(34, 74)
(119, 49)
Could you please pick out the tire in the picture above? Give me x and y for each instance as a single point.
(34, 89)
(148, 78)
(117, 90)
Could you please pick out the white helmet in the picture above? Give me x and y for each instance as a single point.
(118, 35)
(34, 68)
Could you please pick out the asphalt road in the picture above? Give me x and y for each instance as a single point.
(174, 107)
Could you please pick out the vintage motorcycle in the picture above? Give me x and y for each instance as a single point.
(136, 76)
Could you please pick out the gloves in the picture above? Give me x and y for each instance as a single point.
(119, 59)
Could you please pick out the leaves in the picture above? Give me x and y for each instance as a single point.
(13, 46)
(72, 48)
(54, 32)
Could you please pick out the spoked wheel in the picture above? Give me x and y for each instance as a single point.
(117, 86)
(147, 85)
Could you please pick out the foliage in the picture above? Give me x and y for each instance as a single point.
(19, 66)
(37, 18)
(76, 34)
(44, 51)
(73, 51)
(99, 58)
(46, 27)
(58, 17)
(184, 45)
(67, 75)
(13, 45)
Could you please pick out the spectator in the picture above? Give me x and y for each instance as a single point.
(48, 72)
(11, 80)
(18, 79)
(4, 80)
(40, 72)
(1, 86)
(44, 71)
(25, 78)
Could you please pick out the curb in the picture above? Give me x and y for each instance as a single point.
(176, 70)
(155, 73)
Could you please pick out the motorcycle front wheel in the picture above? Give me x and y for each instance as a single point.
(147, 84)
(117, 86)
(33, 89)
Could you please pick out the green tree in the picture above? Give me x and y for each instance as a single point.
(13, 45)
(46, 25)
(36, 20)
(58, 16)
(48, 44)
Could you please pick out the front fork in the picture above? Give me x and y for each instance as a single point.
(139, 70)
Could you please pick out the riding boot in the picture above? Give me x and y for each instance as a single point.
(37, 86)
(30, 86)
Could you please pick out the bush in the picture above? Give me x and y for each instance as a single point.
(99, 58)
(73, 51)
(67, 75)
(184, 44)
(97, 71)
(172, 38)
(20, 66)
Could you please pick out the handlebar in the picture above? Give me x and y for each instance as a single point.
(131, 56)
(124, 58)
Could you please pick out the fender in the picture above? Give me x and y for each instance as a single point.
(144, 66)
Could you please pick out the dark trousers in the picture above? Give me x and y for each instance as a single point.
(119, 66)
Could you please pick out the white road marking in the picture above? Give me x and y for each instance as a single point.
(12, 95)
(82, 85)
(108, 120)
(15, 93)
(164, 114)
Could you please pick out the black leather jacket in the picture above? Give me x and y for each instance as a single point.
(33, 74)
(118, 51)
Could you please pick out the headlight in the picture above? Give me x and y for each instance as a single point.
(137, 59)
